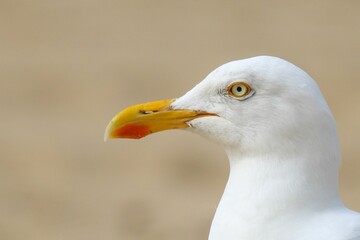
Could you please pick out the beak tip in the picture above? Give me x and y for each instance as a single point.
(107, 132)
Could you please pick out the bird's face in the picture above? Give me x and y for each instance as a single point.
(242, 103)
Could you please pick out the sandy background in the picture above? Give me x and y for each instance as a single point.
(66, 67)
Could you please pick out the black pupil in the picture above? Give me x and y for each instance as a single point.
(238, 88)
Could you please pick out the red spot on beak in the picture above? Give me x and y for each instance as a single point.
(132, 131)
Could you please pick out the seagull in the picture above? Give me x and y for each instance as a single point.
(281, 140)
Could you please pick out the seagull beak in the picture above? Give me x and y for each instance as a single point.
(141, 120)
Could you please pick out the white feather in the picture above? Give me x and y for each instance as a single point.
(283, 150)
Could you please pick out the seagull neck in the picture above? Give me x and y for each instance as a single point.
(265, 193)
(269, 186)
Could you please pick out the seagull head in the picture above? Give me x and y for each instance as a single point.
(279, 135)
(256, 103)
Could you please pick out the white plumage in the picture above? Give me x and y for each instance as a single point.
(283, 150)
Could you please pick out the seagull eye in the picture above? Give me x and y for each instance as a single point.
(239, 89)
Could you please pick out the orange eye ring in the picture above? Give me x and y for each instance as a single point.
(239, 90)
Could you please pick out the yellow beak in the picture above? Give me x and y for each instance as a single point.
(141, 120)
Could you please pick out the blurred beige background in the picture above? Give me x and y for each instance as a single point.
(66, 67)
